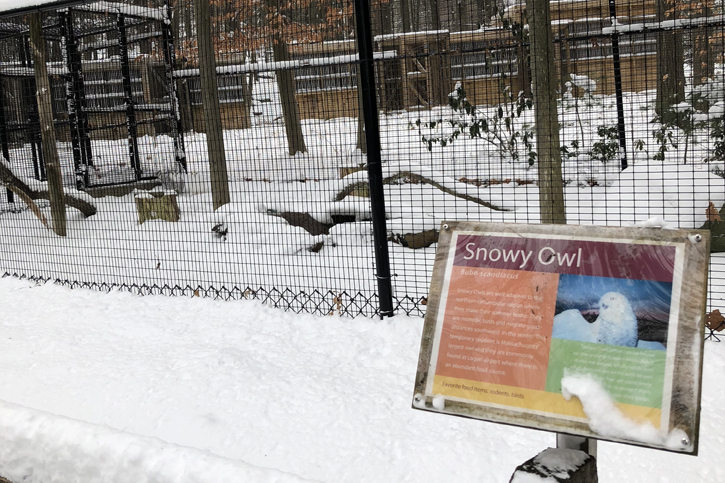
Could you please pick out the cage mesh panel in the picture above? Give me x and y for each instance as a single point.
(640, 86)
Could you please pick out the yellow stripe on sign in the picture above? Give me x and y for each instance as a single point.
(530, 399)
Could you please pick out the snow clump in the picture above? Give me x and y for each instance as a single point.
(607, 420)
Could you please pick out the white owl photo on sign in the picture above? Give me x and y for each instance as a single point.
(627, 313)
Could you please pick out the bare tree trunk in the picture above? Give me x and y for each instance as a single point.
(703, 66)
(286, 87)
(47, 128)
(396, 12)
(210, 101)
(486, 10)
(401, 16)
(670, 64)
(247, 89)
(703, 62)
(405, 12)
(543, 73)
(188, 23)
(247, 101)
(434, 20)
(361, 142)
(290, 109)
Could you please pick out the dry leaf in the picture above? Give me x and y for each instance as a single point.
(712, 213)
(715, 321)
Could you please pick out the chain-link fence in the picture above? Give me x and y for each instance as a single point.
(263, 178)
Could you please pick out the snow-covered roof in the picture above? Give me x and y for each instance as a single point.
(23, 6)
(287, 64)
(15, 7)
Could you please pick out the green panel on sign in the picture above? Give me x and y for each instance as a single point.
(630, 375)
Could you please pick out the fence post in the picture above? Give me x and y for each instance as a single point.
(131, 126)
(75, 99)
(167, 44)
(375, 170)
(32, 116)
(618, 85)
(4, 137)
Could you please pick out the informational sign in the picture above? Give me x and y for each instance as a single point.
(515, 309)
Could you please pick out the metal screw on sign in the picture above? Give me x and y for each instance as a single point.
(446, 227)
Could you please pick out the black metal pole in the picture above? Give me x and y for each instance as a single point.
(32, 117)
(131, 127)
(69, 44)
(79, 90)
(167, 44)
(375, 170)
(618, 85)
(4, 135)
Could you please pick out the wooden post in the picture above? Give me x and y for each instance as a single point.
(290, 110)
(286, 87)
(361, 144)
(210, 104)
(551, 185)
(47, 129)
(670, 65)
(544, 76)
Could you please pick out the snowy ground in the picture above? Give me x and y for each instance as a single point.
(262, 250)
(113, 387)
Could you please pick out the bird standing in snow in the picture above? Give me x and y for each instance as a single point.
(615, 325)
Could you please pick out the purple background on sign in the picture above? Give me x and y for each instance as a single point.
(599, 259)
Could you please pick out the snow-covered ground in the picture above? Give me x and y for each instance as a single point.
(115, 387)
(262, 250)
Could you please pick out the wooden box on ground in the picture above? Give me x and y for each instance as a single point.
(157, 205)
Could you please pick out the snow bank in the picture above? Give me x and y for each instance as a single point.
(36, 446)
(326, 398)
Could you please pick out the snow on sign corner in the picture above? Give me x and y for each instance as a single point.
(582, 330)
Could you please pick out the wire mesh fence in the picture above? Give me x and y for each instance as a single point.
(255, 181)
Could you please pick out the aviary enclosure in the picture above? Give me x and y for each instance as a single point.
(223, 148)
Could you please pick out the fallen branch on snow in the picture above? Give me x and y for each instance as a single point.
(414, 178)
(28, 195)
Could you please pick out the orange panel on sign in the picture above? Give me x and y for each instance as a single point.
(497, 326)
